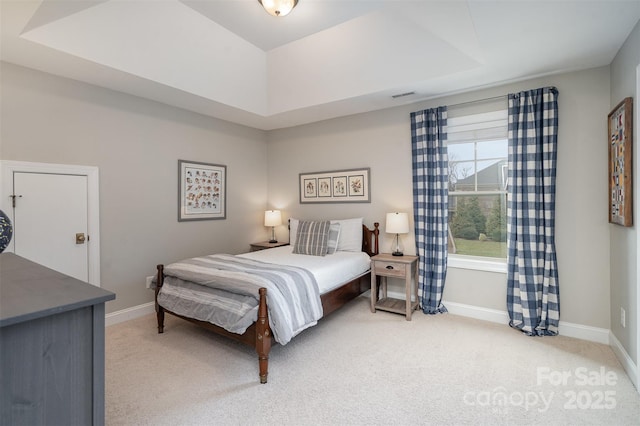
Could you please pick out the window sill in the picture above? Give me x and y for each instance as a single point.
(487, 264)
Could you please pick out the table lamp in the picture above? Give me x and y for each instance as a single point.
(272, 218)
(397, 223)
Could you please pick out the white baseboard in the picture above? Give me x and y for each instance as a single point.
(129, 313)
(578, 331)
(629, 366)
(584, 332)
(477, 312)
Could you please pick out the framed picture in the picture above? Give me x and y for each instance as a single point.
(202, 189)
(337, 186)
(310, 188)
(324, 187)
(620, 164)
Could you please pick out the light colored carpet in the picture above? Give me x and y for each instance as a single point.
(360, 368)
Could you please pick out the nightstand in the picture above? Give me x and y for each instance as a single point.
(267, 245)
(384, 266)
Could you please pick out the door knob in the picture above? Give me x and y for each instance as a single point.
(80, 238)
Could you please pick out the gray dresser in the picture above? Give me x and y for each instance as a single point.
(51, 346)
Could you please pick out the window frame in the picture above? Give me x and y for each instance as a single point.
(494, 125)
(477, 263)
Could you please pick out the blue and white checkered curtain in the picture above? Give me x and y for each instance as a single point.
(532, 279)
(430, 204)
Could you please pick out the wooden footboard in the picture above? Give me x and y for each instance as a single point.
(259, 335)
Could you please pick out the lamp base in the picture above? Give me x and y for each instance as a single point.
(273, 241)
(397, 253)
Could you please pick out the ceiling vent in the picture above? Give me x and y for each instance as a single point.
(402, 95)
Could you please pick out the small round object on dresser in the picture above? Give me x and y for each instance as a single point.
(6, 231)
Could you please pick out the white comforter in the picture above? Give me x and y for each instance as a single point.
(330, 271)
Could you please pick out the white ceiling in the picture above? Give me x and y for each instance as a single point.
(328, 58)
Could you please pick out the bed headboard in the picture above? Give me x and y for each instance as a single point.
(370, 239)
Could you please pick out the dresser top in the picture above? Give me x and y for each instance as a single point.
(29, 291)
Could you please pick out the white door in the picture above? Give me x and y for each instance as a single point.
(50, 221)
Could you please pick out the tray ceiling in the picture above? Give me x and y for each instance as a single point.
(230, 59)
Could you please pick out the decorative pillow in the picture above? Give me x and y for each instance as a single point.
(293, 230)
(312, 237)
(350, 234)
(334, 235)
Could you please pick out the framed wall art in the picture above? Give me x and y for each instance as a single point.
(620, 164)
(336, 186)
(202, 191)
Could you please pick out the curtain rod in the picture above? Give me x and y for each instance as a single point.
(493, 98)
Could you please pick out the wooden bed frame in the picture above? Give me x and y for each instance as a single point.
(258, 335)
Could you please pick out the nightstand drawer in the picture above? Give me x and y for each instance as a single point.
(390, 269)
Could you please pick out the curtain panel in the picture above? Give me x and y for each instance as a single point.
(532, 278)
(430, 204)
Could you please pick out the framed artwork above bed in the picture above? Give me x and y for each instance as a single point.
(336, 186)
(202, 190)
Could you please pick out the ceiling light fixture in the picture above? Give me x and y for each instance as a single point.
(278, 7)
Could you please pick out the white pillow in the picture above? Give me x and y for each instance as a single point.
(350, 234)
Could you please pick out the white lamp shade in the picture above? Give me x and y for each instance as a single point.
(397, 223)
(278, 7)
(272, 218)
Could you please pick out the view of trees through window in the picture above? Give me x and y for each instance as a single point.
(477, 198)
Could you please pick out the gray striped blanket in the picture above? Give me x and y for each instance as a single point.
(230, 299)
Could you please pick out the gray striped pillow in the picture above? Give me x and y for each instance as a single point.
(312, 237)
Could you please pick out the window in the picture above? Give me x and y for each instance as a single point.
(477, 148)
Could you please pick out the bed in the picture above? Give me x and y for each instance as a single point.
(182, 287)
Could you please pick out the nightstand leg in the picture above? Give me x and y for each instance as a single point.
(383, 284)
(407, 286)
(374, 292)
(415, 287)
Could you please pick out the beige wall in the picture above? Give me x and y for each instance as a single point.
(136, 143)
(381, 140)
(624, 241)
